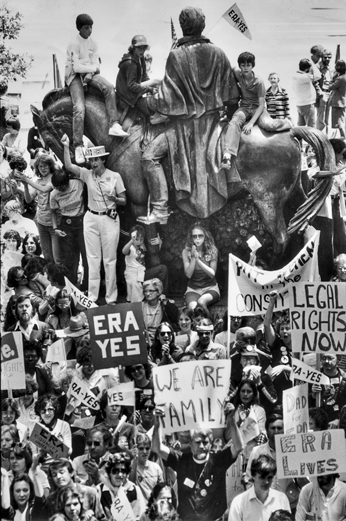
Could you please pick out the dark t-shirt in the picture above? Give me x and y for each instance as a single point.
(201, 487)
(281, 356)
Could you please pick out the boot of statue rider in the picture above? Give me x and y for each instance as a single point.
(158, 190)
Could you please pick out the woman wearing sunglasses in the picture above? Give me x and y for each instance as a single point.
(164, 351)
(118, 469)
(200, 257)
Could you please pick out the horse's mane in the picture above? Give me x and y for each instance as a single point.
(58, 94)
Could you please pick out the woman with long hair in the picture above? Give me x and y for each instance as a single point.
(246, 404)
(162, 504)
(41, 187)
(22, 496)
(164, 351)
(31, 244)
(200, 257)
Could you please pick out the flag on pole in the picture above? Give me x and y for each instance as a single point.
(235, 17)
(174, 36)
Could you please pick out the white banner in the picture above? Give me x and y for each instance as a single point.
(234, 16)
(306, 373)
(56, 352)
(121, 508)
(78, 296)
(12, 361)
(192, 394)
(295, 409)
(318, 317)
(79, 390)
(122, 394)
(310, 454)
(249, 287)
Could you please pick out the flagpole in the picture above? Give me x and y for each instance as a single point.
(212, 27)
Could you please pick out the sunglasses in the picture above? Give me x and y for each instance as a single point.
(204, 333)
(136, 368)
(164, 333)
(198, 236)
(142, 449)
(47, 411)
(95, 443)
(118, 471)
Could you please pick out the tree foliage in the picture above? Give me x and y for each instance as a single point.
(11, 64)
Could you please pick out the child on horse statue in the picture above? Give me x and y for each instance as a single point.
(251, 109)
(83, 68)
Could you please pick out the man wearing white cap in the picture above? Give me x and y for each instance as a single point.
(106, 190)
(204, 348)
(83, 68)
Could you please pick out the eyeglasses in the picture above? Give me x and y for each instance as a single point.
(165, 333)
(150, 290)
(142, 449)
(327, 358)
(47, 411)
(118, 471)
(198, 236)
(136, 368)
(95, 443)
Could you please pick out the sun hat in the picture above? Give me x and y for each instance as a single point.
(95, 152)
(77, 327)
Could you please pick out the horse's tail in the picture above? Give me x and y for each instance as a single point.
(326, 161)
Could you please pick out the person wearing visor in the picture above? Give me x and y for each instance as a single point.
(133, 84)
(106, 191)
(204, 348)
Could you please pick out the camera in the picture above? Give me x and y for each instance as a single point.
(112, 213)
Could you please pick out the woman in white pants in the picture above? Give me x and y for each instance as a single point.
(101, 223)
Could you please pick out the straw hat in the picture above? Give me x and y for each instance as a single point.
(95, 152)
(77, 327)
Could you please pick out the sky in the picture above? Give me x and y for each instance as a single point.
(283, 31)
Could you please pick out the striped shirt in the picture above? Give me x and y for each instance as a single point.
(278, 104)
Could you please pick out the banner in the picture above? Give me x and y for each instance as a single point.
(318, 317)
(79, 390)
(192, 394)
(296, 409)
(122, 394)
(56, 352)
(78, 296)
(310, 454)
(235, 17)
(306, 373)
(249, 287)
(121, 509)
(117, 335)
(12, 361)
(44, 440)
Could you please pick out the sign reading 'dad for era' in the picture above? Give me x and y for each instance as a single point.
(12, 361)
(117, 335)
(192, 394)
(318, 317)
(310, 453)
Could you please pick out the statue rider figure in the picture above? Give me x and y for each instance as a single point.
(198, 83)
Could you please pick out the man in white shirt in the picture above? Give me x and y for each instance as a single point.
(259, 501)
(83, 68)
(305, 92)
(325, 499)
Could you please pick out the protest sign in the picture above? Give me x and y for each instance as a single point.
(79, 390)
(249, 428)
(235, 17)
(56, 352)
(310, 453)
(121, 508)
(84, 423)
(318, 317)
(306, 373)
(249, 286)
(45, 440)
(78, 296)
(12, 361)
(116, 335)
(192, 394)
(234, 479)
(122, 394)
(296, 410)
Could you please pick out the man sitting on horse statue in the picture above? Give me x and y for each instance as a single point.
(83, 68)
(198, 83)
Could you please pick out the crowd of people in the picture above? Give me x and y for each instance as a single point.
(60, 221)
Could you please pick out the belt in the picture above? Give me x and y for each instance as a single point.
(71, 218)
(97, 213)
